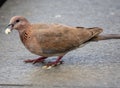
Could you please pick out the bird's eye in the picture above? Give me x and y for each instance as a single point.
(17, 21)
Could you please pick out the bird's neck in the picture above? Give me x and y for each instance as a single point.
(23, 29)
(24, 34)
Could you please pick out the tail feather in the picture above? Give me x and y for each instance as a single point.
(105, 37)
(95, 31)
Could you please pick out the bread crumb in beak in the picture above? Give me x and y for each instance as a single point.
(7, 31)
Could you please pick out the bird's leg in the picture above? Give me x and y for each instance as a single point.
(40, 59)
(55, 63)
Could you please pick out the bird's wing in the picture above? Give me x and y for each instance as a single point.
(57, 38)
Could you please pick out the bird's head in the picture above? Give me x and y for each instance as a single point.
(18, 23)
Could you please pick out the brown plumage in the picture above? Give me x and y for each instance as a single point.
(54, 39)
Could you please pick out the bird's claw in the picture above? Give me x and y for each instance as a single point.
(52, 64)
(33, 61)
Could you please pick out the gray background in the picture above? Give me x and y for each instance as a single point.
(96, 65)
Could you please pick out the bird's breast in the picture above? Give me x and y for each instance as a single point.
(30, 43)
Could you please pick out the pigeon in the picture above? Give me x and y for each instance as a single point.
(53, 39)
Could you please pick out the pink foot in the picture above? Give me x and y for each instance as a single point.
(55, 63)
(40, 59)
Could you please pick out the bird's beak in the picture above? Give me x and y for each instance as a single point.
(9, 28)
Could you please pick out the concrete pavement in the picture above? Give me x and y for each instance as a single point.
(96, 65)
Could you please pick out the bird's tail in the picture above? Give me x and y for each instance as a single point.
(105, 37)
